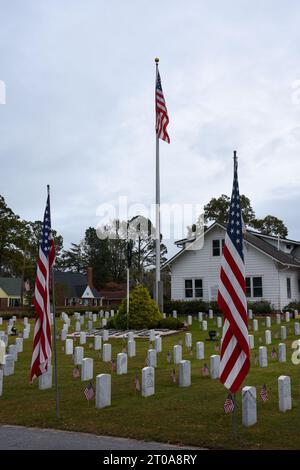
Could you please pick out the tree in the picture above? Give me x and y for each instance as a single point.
(143, 310)
(75, 258)
(270, 225)
(218, 208)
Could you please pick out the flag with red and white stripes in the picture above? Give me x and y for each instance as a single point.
(41, 354)
(162, 118)
(235, 354)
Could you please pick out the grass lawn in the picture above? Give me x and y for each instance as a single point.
(192, 415)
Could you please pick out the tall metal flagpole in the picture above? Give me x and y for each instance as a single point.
(54, 336)
(157, 217)
(234, 415)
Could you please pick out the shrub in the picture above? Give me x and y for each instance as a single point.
(185, 307)
(143, 310)
(170, 323)
(260, 307)
(111, 323)
(292, 306)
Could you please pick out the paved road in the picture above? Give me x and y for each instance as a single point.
(21, 438)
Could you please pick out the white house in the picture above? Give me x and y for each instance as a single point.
(272, 267)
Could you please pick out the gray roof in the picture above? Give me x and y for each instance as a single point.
(255, 240)
(74, 283)
(11, 285)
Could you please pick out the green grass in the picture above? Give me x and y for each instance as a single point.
(192, 415)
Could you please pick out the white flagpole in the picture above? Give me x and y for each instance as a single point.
(157, 215)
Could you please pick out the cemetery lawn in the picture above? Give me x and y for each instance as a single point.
(184, 416)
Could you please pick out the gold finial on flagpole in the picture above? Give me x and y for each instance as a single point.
(156, 60)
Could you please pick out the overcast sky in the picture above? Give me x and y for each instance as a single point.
(79, 110)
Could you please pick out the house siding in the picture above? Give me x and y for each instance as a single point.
(201, 264)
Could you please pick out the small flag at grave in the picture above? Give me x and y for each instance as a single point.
(146, 362)
(169, 357)
(217, 347)
(191, 351)
(264, 393)
(255, 359)
(113, 365)
(76, 372)
(260, 340)
(63, 349)
(137, 385)
(229, 404)
(173, 376)
(274, 353)
(276, 335)
(205, 370)
(89, 391)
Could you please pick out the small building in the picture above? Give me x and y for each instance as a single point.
(10, 292)
(272, 267)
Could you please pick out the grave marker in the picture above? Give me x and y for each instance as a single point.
(284, 393)
(249, 410)
(103, 390)
(148, 381)
(87, 369)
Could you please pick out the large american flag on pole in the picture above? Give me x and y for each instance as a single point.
(162, 118)
(235, 354)
(41, 354)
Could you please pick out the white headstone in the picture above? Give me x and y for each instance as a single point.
(199, 350)
(9, 365)
(250, 314)
(152, 359)
(249, 410)
(90, 325)
(25, 321)
(158, 344)
(189, 320)
(63, 335)
(130, 336)
(94, 317)
(184, 373)
(12, 349)
(131, 348)
(25, 333)
(263, 357)
(177, 352)
(112, 313)
(78, 355)
(19, 344)
(210, 314)
(5, 339)
(255, 325)
(174, 314)
(82, 320)
(121, 363)
(278, 318)
(45, 380)
(82, 337)
(103, 390)
(268, 337)
(97, 343)
(297, 328)
(268, 322)
(77, 326)
(251, 341)
(105, 335)
(104, 322)
(282, 352)
(87, 369)
(1, 321)
(151, 335)
(284, 393)
(287, 316)
(188, 340)
(148, 381)
(200, 316)
(283, 332)
(65, 328)
(214, 366)
(219, 322)
(69, 347)
(2, 351)
(204, 325)
(164, 315)
(106, 352)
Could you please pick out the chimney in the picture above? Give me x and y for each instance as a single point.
(90, 277)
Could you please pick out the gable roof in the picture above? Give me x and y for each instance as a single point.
(11, 285)
(75, 283)
(253, 239)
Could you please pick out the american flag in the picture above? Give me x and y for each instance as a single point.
(264, 393)
(89, 391)
(229, 404)
(137, 385)
(41, 354)
(162, 118)
(235, 353)
(76, 372)
(205, 370)
(274, 353)
(173, 376)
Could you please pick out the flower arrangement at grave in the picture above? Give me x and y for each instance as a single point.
(143, 310)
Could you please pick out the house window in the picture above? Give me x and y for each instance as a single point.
(217, 247)
(188, 288)
(254, 286)
(198, 288)
(193, 288)
(288, 288)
